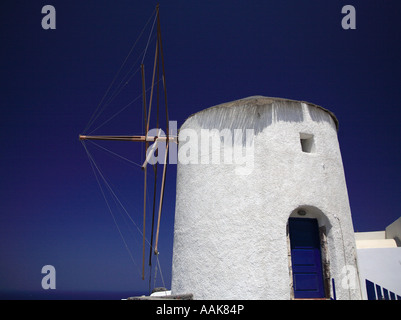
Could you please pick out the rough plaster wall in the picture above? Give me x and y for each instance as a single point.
(230, 230)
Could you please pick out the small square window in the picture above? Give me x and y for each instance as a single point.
(307, 142)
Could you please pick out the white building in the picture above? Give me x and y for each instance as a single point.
(262, 214)
(379, 261)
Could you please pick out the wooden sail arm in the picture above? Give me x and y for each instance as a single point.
(114, 138)
(129, 138)
(161, 200)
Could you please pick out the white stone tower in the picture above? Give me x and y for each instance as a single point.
(263, 213)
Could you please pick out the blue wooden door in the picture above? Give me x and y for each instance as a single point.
(306, 258)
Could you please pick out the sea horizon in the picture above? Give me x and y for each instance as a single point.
(69, 295)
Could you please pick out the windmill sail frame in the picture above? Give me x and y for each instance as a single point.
(147, 109)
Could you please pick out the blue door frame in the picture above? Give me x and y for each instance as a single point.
(306, 258)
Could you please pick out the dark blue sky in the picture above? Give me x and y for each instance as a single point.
(51, 208)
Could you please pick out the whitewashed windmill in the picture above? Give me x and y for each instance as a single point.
(283, 230)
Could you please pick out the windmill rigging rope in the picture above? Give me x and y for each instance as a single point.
(99, 173)
(150, 34)
(93, 166)
(94, 117)
(115, 154)
(160, 269)
(123, 83)
(110, 189)
(119, 111)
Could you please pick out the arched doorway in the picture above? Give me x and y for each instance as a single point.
(306, 258)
